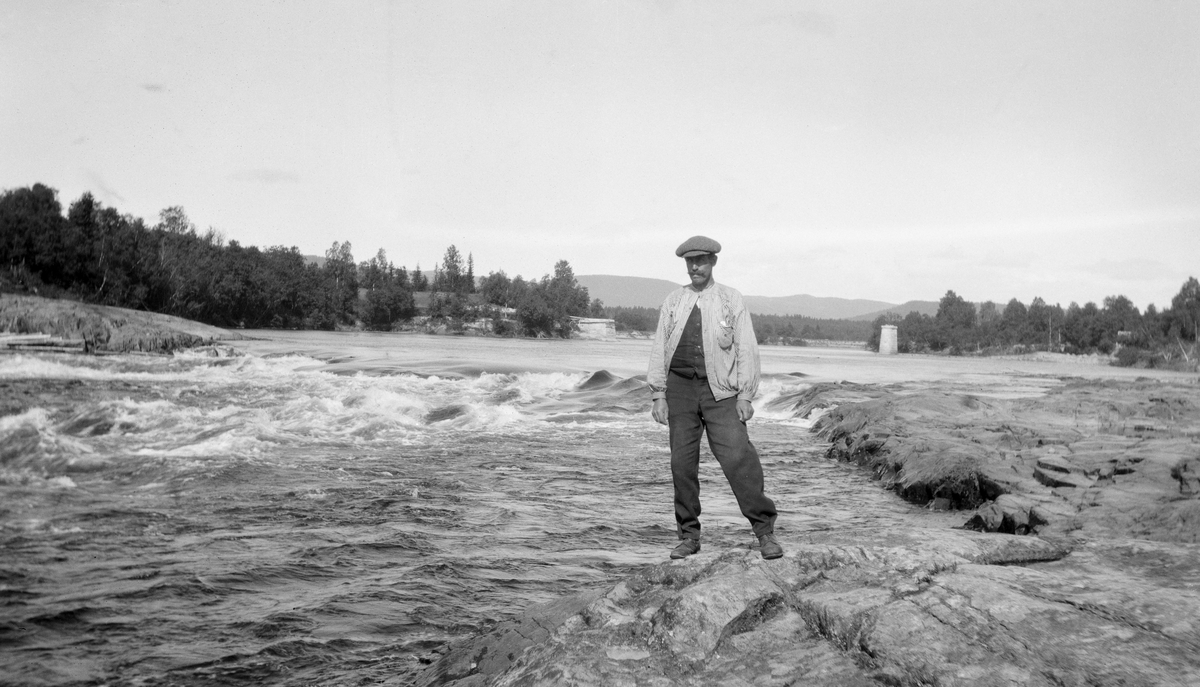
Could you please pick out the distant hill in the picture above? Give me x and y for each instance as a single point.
(649, 293)
(924, 307)
(643, 292)
(627, 292)
(813, 306)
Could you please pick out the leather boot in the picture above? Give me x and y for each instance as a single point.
(687, 547)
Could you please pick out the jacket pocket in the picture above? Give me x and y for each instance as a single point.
(725, 336)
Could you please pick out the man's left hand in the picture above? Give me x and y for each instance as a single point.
(745, 410)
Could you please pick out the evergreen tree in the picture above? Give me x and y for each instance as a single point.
(1185, 310)
(400, 276)
(1013, 322)
(373, 273)
(989, 322)
(420, 283)
(451, 278)
(1039, 325)
(955, 321)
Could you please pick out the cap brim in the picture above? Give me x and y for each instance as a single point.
(694, 253)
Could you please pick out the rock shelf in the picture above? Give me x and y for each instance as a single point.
(1111, 458)
(71, 326)
(1078, 561)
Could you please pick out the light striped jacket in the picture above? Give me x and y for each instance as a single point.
(730, 347)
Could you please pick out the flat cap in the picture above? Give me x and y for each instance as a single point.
(697, 245)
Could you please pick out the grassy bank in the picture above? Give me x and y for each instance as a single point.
(101, 328)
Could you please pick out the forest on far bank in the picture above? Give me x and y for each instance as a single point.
(96, 254)
(1153, 338)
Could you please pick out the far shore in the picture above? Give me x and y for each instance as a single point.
(96, 329)
(70, 319)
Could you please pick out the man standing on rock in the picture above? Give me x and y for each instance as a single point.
(704, 371)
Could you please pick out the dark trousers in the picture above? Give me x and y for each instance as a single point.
(692, 411)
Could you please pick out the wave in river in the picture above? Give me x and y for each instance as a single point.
(245, 406)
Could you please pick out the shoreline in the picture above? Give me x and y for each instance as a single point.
(90, 328)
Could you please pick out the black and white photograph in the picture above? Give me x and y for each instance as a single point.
(599, 343)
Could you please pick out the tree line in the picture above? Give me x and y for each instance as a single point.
(1148, 338)
(99, 255)
(96, 254)
(784, 330)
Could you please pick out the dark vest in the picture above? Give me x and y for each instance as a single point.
(689, 354)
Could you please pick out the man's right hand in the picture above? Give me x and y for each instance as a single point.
(659, 411)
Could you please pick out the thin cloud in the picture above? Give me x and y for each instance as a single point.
(154, 87)
(107, 193)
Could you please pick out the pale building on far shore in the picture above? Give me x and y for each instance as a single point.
(596, 328)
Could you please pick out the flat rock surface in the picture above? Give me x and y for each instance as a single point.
(1077, 561)
(105, 328)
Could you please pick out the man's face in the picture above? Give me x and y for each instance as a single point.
(699, 268)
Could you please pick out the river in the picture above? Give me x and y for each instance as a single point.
(333, 508)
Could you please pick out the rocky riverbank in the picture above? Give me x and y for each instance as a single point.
(1077, 561)
(1086, 460)
(104, 329)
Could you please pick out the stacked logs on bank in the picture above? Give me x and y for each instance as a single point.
(34, 324)
(41, 343)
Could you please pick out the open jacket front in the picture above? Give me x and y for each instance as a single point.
(730, 347)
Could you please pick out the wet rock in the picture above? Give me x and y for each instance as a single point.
(1056, 463)
(1010, 514)
(1056, 478)
(1187, 473)
(494, 653)
(857, 608)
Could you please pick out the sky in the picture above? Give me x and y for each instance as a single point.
(879, 150)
